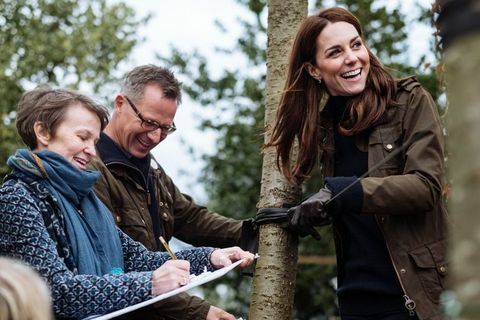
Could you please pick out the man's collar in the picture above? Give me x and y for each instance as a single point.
(109, 151)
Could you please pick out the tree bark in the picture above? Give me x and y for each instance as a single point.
(274, 280)
(462, 61)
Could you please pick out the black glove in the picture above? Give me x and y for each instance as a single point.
(310, 213)
(249, 242)
(249, 237)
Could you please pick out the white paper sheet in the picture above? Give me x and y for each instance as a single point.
(195, 282)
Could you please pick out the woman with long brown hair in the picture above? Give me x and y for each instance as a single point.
(349, 114)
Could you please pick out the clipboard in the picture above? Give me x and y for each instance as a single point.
(195, 282)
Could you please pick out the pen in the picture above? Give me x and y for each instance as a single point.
(165, 244)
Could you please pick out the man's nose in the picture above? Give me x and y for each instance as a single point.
(156, 135)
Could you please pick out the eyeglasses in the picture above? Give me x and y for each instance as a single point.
(151, 125)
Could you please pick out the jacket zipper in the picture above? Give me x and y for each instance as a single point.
(409, 303)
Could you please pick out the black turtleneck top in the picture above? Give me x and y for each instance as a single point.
(367, 281)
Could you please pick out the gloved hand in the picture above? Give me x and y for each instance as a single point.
(249, 242)
(249, 236)
(310, 213)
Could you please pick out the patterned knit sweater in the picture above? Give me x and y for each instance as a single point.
(24, 235)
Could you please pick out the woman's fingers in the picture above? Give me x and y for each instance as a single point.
(225, 257)
(171, 275)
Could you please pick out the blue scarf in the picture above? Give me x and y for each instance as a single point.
(91, 231)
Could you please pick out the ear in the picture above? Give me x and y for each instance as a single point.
(118, 103)
(313, 71)
(42, 134)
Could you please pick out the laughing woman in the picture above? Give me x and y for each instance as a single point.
(347, 112)
(51, 219)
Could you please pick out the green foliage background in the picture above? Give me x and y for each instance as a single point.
(69, 43)
(232, 175)
(59, 42)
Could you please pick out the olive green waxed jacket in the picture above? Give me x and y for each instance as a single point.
(180, 217)
(405, 193)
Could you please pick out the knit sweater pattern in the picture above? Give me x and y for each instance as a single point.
(24, 235)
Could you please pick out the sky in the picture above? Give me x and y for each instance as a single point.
(189, 25)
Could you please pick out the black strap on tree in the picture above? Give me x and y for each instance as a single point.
(249, 238)
(272, 215)
(457, 18)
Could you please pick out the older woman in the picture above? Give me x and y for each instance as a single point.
(390, 227)
(51, 219)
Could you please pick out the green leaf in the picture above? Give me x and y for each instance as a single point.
(60, 42)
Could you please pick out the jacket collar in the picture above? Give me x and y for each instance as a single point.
(112, 153)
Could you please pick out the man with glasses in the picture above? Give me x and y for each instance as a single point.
(144, 200)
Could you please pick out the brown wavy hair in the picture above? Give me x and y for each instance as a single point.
(299, 111)
(49, 106)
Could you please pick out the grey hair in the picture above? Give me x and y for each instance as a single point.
(141, 76)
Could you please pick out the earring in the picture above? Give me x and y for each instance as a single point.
(319, 81)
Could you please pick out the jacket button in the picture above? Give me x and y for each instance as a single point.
(442, 269)
(118, 219)
(161, 204)
(403, 271)
(389, 147)
(165, 216)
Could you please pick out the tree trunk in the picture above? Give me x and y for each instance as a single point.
(274, 280)
(462, 60)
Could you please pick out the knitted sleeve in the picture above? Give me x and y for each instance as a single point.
(139, 258)
(23, 235)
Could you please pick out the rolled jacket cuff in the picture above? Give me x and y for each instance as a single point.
(349, 201)
(197, 309)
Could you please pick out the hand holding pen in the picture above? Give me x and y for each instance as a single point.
(171, 275)
(176, 273)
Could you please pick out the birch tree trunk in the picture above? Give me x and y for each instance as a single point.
(462, 60)
(274, 280)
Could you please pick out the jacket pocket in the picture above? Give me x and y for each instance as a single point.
(431, 268)
(382, 142)
(131, 221)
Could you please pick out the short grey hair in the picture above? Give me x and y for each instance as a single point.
(141, 76)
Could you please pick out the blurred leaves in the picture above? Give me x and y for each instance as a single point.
(60, 42)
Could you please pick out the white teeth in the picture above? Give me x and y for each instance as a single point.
(352, 73)
(84, 162)
(143, 143)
